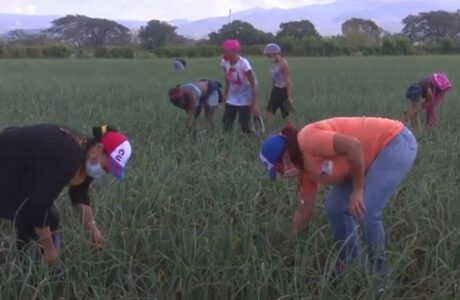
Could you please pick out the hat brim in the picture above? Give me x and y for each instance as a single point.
(117, 170)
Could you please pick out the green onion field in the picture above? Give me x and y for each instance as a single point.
(197, 216)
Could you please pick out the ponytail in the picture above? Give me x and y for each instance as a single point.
(99, 131)
(290, 133)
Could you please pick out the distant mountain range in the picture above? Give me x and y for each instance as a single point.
(326, 17)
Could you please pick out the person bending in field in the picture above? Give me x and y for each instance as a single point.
(180, 64)
(240, 88)
(363, 159)
(193, 97)
(38, 162)
(281, 94)
(426, 95)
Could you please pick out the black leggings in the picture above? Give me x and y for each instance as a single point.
(244, 117)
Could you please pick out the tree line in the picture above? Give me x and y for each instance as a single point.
(427, 32)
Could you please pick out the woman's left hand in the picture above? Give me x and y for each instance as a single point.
(255, 111)
(97, 238)
(356, 205)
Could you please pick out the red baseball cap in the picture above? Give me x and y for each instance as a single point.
(119, 149)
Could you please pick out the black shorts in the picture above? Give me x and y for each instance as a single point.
(279, 100)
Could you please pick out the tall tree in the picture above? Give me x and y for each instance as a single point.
(361, 31)
(21, 37)
(83, 31)
(432, 27)
(243, 31)
(298, 30)
(158, 34)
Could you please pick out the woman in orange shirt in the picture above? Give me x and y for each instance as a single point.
(364, 159)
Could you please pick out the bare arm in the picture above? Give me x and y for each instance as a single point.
(46, 241)
(89, 223)
(190, 117)
(303, 213)
(287, 74)
(429, 97)
(252, 82)
(351, 148)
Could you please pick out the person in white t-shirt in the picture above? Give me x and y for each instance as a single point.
(240, 87)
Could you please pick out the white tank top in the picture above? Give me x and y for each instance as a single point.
(278, 78)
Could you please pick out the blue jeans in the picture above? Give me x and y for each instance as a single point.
(382, 179)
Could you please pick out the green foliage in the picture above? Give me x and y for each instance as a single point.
(3, 52)
(402, 46)
(16, 52)
(246, 33)
(253, 50)
(22, 38)
(298, 30)
(122, 52)
(157, 34)
(34, 52)
(102, 52)
(208, 51)
(432, 27)
(331, 47)
(58, 51)
(447, 45)
(196, 217)
(195, 51)
(388, 47)
(82, 31)
(362, 33)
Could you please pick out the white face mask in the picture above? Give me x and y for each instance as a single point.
(94, 170)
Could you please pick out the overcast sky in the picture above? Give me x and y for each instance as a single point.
(144, 9)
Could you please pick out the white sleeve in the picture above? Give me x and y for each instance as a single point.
(245, 65)
(223, 64)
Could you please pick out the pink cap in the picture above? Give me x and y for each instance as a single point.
(117, 146)
(232, 45)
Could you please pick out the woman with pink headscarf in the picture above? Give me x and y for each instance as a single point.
(240, 87)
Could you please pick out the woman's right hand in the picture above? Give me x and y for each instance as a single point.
(97, 238)
(51, 255)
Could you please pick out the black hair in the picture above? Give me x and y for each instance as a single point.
(99, 131)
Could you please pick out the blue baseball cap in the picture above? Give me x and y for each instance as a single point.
(270, 152)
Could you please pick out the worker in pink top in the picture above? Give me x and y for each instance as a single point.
(364, 159)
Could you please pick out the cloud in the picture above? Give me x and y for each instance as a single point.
(28, 9)
(145, 9)
(17, 7)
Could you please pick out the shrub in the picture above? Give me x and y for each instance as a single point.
(447, 46)
(388, 47)
(17, 52)
(253, 50)
(3, 53)
(102, 52)
(192, 52)
(331, 48)
(121, 52)
(57, 51)
(208, 51)
(34, 52)
(402, 46)
(128, 52)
